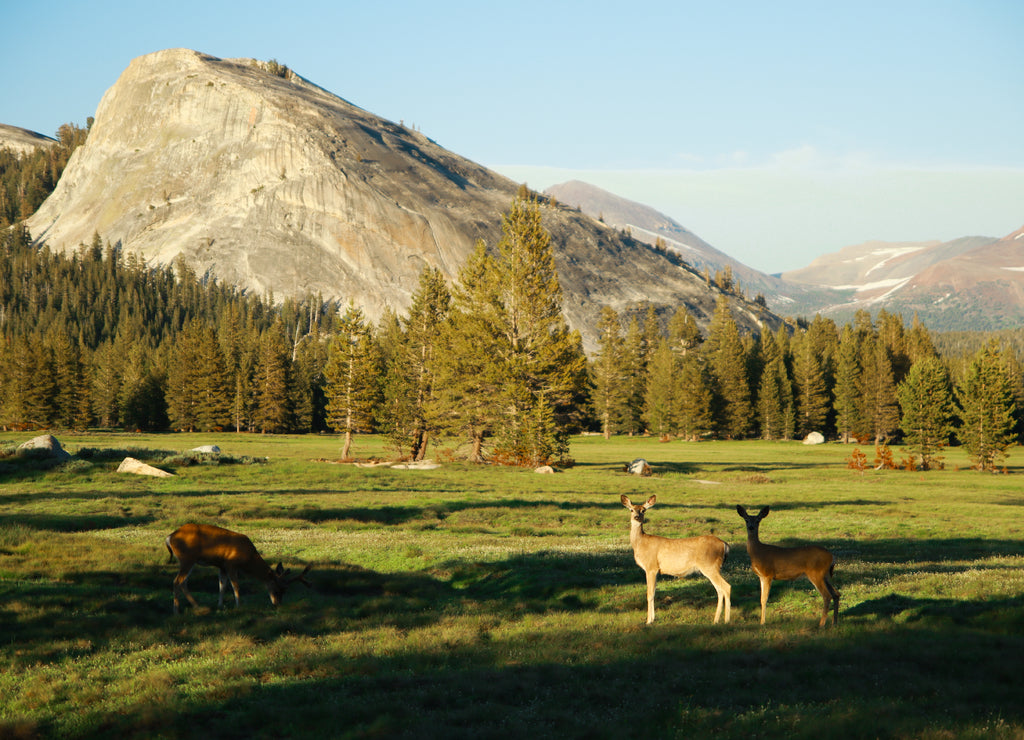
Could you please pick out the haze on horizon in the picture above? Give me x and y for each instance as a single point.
(777, 133)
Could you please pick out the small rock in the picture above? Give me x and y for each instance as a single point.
(131, 465)
(814, 438)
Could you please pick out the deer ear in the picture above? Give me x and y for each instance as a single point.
(280, 569)
(764, 512)
(650, 502)
(625, 501)
(740, 510)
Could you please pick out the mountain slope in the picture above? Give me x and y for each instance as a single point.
(973, 283)
(275, 184)
(22, 140)
(649, 225)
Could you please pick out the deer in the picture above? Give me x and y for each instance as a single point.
(232, 554)
(772, 562)
(677, 557)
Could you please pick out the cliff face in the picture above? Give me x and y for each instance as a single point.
(275, 184)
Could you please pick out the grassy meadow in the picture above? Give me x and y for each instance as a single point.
(474, 601)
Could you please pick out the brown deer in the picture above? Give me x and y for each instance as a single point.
(677, 557)
(771, 562)
(232, 554)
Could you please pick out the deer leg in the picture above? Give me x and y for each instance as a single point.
(652, 580)
(234, 587)
(825, 589)
(724, 591)
(766, 587)
(181, 587)
(222, 576)
(835, 602)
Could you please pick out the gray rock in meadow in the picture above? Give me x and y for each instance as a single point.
(814, 438)
(206, 448)
(137, 467)
(48, 443)
(639, 467)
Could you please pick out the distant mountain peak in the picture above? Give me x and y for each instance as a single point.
(272, 183)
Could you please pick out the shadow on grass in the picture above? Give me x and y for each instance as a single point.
(738, 681)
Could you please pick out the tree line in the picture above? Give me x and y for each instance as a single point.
(28, 178)
(97, 338)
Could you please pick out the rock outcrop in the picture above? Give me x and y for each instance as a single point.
(22, 140)
(276, 185)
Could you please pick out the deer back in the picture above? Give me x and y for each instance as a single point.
(680, 557)
(221, 548)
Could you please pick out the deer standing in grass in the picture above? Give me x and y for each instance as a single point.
(771, 562)
(677, 557)
(232, 554)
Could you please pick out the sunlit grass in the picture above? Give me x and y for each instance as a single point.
(473, 601)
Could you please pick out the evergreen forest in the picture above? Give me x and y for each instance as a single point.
(96, 338)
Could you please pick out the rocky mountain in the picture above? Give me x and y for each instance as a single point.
(22, 140)
(258, 177)
(973, 283)
(650, 226)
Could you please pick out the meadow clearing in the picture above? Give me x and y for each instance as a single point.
(480, 601)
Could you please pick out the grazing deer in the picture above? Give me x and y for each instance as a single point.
(676, 557)
(771, 562)
(231, 553)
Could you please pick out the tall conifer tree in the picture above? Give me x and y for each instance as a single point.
(353, 393)
(608, 375)
(926, 401)
(986, 397)
(728, 365)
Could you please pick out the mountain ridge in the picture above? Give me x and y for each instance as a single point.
(272, 183)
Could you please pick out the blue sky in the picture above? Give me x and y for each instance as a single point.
(776, 131)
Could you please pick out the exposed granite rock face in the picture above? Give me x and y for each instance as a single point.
(22, 140)
(277, 185)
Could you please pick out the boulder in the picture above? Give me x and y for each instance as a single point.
(45, 445)
(814, 438)
(546, 469)
(131, 465)
(206, 448)
(639, 467)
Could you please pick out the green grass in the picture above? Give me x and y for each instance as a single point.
(472, 601)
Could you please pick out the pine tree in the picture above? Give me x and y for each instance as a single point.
(353, 366)
(683, 333)
(184, 380)
(694, 398)
(511, 305)
(608, 375)
(660, 410)
(396, 414)
(71, 392)
(431, 304)
(635, 362)
(467, 374)
(986, 398)
(727, 362)
(880, 411)
(274, 410)
(845, 393)
(775, 394)
(926, 400)
(812, 402)
(213, 384)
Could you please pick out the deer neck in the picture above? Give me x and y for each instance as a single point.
(258, 568)
(753, 543)
(636, 533)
